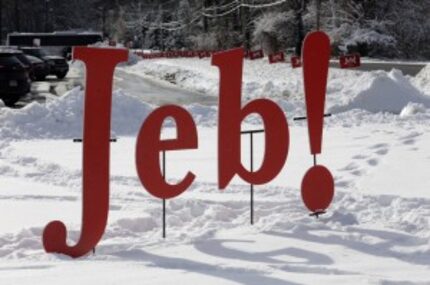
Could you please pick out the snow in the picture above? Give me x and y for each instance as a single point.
(381, 91)
(376, 231)
(422, 80)
(375, 91)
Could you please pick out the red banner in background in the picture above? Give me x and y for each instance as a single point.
(203, 54)
(350, 60)
(277, 57)
(256, 54)
(296, 61)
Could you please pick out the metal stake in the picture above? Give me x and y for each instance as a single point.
(164, 200)
(251, 155)
(252, 170)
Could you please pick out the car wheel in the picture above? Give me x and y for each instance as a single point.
(61, 75)
(11, 100)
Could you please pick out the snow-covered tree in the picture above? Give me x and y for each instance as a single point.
(275, 30)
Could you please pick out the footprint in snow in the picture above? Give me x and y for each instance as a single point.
(359, 157)
(383, 151)
(409, 142)
(372, 162)
(378, 146)
(349, 167)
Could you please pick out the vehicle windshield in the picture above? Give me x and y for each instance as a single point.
(33, 59)
(35, 52)
(9, 60)
(23, 59)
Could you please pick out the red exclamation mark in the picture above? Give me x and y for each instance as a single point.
(317, 184)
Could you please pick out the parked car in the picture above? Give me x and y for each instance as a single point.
(39, 68)
(58, 65)
(14, 78)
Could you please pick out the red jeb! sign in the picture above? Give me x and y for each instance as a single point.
(276, 57)
(350, 61)
(317, 185)
(296, 61)
(256, 54)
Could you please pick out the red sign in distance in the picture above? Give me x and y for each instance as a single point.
(350, 60)
(317, 184)
(276, 57)
(256, 54)
(231, 115)
(296, 61)
(100, 65)
(203, 54)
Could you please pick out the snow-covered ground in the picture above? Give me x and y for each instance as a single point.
(377, 231)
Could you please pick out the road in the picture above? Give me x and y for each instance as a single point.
(158, 93)
(146, 89)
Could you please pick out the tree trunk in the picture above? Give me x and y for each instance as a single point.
(17, 23)
(1, 21)
(245, 31)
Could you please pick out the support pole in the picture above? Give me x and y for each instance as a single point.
(252, 170)
(164, 200)
(251, 159)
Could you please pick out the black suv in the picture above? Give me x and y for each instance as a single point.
(14, 78)
(58, 65)
(39, 68)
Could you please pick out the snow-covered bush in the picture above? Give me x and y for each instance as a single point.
(275, 30)
(204, 41)
(368, 41)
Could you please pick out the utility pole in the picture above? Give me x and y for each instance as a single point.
(46, 15)
(160, 29)
(300, 29)
(17, 23)
(104, 21)
(244, 24)
(205, 19)
(1, 21)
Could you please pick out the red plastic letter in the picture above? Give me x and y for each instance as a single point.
(100, 65)
(231, 115)
(149, 146)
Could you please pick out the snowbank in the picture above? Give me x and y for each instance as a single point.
(259, 79)
(381, 92)
(376, 91)
(422, 80)
(63, 118)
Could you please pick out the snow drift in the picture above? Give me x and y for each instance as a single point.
(381, 92)
(422, 80)
(63, 118)
(376, 91)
